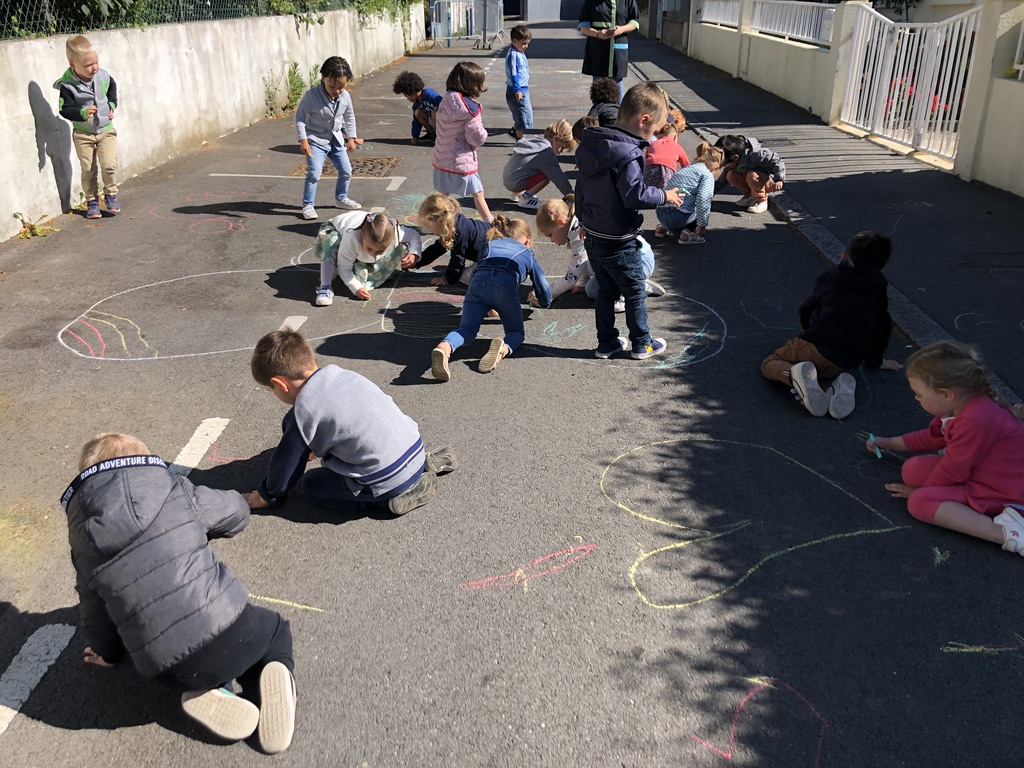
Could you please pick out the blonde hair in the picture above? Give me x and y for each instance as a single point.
(378, 229)
(109, 445)
(665, 130)
(953, 365)
(551, 211)
(645, 99)
(561, 130)
(77, 46)
(507, 226)
(709, 155)
(282, 353)
(438, 207)
(680, 118)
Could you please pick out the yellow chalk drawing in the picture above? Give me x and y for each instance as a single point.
(708, 535)
(289, 603)
(138, 330)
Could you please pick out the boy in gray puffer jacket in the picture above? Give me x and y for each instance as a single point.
(151, 587)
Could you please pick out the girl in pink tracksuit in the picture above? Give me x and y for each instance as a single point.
(460, 130)
(975, 485)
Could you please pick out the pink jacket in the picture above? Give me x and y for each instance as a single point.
(460, 130)
(984, 451)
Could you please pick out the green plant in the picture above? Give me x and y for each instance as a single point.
(370, 10)
(296, 86)
(271, 84)
(35, 228)
(314, 76)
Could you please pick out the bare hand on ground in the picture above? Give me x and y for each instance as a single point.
(363, 294)
(91, 657)
(254, 500)
(891, 365)
(900, 490)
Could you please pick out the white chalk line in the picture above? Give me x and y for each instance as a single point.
(206, 434)
(293, 322)
(38, 654)
(394, 182)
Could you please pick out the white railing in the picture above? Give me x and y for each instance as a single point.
(726, 12)
(1018, 60)
(793, 20)
(908, 82)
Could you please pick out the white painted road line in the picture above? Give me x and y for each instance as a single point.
(293, 322)
(394, 182)
(29, 666)
(206, 434)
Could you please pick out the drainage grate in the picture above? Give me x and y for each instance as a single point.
(369, 167)
(777, 142)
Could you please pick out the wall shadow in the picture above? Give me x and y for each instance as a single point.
(53, 141)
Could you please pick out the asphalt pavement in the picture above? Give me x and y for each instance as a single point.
(665, 562)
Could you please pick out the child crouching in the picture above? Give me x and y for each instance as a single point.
(151, 587)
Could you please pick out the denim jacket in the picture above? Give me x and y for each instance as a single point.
(512, 258)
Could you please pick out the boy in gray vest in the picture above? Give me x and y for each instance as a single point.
(88, 96)
(372, 453)
(150, 587)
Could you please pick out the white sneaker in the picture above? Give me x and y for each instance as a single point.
(529, 202)
(744, 201)
(277, 707)
(347, 202)
(619, 307)
(324, 297)
(222, 713)
(758, 207)
(805, 380)
(841, 400)
(1012, 523)
(654, 289)
(309, 212)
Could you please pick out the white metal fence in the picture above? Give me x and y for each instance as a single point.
(908, 82)
(725, 12)
(793, 20)
(479, 20)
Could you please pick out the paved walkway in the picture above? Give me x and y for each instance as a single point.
(958, 264)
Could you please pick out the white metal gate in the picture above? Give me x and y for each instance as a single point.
(908, 82)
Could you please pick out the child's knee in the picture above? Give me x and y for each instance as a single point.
(922, 507)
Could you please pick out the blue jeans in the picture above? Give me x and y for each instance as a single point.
(672, 218)
(619, 270)
(328, 489)
(522, 111)
(646, 258)
(315, 166)
(490, 289)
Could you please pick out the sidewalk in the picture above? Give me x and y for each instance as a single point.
(958, 263)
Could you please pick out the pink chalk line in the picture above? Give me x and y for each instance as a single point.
(767, 684)
(539, 567)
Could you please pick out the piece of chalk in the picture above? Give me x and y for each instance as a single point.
(871, 437)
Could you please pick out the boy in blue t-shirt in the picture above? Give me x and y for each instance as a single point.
(517, 81)
(425, 102)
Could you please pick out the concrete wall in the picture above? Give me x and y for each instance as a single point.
(800, 73)
(999, 161)
(714, 45)
(675, 33)
(541, 10)
(178, 85)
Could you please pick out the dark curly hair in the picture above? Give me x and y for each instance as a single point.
(604, 90)
(408, 84)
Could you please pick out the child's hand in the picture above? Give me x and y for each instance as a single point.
(437, 281)
(255, 501)
(111, 115)
(363, 294)
(350, 145)
(900, 490)
(578, 289)
(90, 112)
(304, 146)
(532, 300)
(408, 261)
(891, 365)
(91, 657)
(519, 96)
(673, 198)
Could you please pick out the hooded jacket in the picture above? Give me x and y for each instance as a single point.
(847, 315)
(460, 130)
(610, 187)
(531, 155)
(77, 95)
(147, 580)
(757, 158)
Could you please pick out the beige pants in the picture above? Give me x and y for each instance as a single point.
(97, 154)
(755, 184)
(779, 363)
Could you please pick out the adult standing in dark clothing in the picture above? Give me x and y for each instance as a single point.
(605, 24)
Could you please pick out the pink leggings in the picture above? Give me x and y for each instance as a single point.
(924, 502)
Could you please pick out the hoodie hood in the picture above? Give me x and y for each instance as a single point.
(530, 146)
(847, 273)
(604, 149)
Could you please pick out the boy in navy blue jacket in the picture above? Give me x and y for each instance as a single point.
(609, 191)
(425, 102)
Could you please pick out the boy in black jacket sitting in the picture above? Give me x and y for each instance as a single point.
(846, 322)
(150, 587)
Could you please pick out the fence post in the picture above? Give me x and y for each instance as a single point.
(744, 29)
(979, 86)
(841, 54)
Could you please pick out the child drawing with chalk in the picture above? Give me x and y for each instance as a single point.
(465, 239)
(372, 453)
(151, 589)
(326, 124)
(495, 285)
(845, 322)
(970, 479)
(364, 250)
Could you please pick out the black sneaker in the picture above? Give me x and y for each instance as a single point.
(608, 350)
(416, 496)
(442, 461)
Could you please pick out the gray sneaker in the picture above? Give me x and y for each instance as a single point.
(805, 381)
(442, 461)
(416, 496)
(841, 399)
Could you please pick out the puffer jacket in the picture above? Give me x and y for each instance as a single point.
(757, 158)
(147, 580)
(460, 130)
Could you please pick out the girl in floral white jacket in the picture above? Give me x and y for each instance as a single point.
(460, 130)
